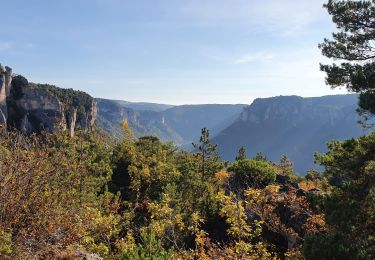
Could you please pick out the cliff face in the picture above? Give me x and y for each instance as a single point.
(295, 126)
(297, 110)
(33, 107)
(142, 123)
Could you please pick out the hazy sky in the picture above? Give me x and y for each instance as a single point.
(169, 51)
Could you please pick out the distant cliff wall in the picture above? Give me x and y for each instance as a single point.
(31, 107)
(142, 123)
(293, 126)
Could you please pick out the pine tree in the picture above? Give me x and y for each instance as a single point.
(207, 151)
(241, 154)
(349, 208)
(354, 47)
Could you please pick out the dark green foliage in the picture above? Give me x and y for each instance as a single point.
(151, 248)
(260, 157)
(241, 154)
(327, 247)
(354, 45)
(252, 173)
(349, 166)
(349, 209)
(121, 160)
(207, 152)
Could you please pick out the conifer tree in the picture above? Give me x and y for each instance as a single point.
(207, 151)
(354, 47)
(241, 154)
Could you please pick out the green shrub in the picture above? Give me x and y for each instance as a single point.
(252, 173)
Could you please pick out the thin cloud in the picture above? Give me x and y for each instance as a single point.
(253, 57)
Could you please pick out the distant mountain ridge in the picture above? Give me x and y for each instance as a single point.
(179, 124)
(142, 122)
(291, 125)
(144, 105)
(188, 120)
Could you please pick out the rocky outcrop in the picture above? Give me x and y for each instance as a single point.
(34, 108)
(287, 213)
(276, 108)
(71, 120)
(5, 84)
(295, 109)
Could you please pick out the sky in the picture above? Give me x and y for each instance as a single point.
(169, 51)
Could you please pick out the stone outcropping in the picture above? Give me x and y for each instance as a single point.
(33, 108)
(5, 84)
(295, 109)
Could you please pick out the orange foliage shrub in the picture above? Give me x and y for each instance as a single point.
(45, 192)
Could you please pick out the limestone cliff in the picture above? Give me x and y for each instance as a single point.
(293, 126)
(31, 107)
(5, 84)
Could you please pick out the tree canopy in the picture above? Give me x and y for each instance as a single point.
(350, 206)
(354, 46)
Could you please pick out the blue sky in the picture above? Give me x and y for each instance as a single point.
(169, 51)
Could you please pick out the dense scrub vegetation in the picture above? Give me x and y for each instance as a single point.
(144, 199)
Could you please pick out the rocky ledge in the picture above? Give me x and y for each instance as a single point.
(33, 108)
